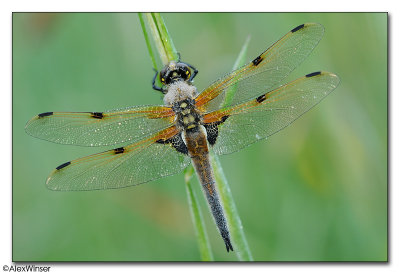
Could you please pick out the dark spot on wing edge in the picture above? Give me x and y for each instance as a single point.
(313, 74)
(297, 28)
(63, 165)
(257, 60)
(44, 114)
(261, 98)
(97, 115)
(119, 150)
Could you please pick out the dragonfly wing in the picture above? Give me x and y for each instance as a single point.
(100, 128)
(144, 161)
(266, 71)
(244, 124)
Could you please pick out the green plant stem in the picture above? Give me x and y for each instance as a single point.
(163, 42)
(167, 53)
(240, 60)
(147, 39)
(166, 50)
(167, 43)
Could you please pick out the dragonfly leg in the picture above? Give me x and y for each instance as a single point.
(154, 82)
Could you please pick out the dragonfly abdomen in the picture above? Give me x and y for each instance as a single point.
(196, 142)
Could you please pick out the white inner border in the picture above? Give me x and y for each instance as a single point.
(6, 9)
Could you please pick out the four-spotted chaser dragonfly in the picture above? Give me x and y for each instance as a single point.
(157, 141)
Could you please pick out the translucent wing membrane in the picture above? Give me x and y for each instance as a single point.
(138, 163)
(268, 113)
(100, 128)
(265, 71)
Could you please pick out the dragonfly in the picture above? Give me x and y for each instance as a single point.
(157, 141)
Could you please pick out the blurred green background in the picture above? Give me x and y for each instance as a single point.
(314, 191)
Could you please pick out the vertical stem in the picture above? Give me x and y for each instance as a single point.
(240, 60)
(147, 39)
(163, 42)
(166, 40)
(167, 52)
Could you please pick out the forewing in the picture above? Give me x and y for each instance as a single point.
(246, 123)
(126, 166)
(100, 128)
(266, 71)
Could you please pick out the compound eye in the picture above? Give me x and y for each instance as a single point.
(185, 73)
(167, 79)
(163, 75)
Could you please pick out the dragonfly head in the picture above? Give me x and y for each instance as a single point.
(173, 72)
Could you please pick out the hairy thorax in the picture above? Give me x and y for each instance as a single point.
(178, 92)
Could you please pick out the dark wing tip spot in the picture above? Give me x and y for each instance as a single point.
(44, 114)
(261, 98)
(313, 74)
(257, 60)
(63, 165)
(97, 115)
(297, 28)
(119, 150)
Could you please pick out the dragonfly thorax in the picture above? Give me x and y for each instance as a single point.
(187, 116)
(179, 91)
